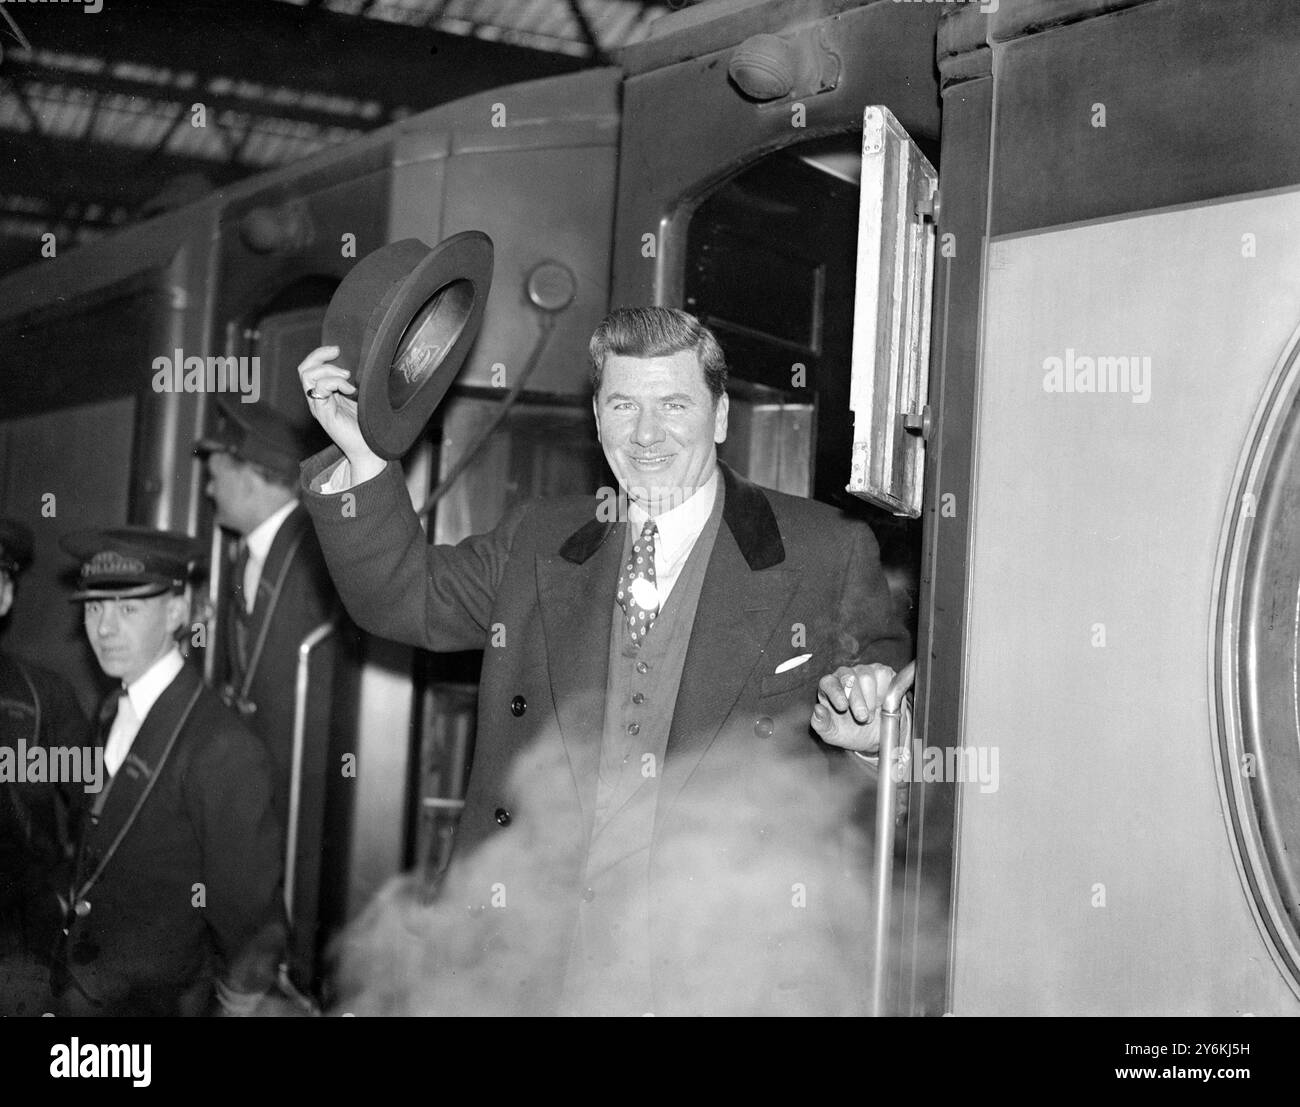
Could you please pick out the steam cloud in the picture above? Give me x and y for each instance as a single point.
(763, 920)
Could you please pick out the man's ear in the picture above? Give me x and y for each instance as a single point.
(595, 410)
(720, 419)
(178, 611)
(6, 594)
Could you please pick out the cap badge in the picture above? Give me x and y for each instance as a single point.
(111, 563)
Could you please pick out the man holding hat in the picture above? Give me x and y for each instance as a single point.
(280, 592)
(680, 702)
(38, 711)
(178, 877)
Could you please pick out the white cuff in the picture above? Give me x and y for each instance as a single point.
(337, 478)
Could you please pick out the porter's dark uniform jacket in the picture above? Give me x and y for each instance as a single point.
(745, 871)
(35, 835)
(306, 600)
(193, 892)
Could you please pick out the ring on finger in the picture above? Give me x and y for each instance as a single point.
(312, 394)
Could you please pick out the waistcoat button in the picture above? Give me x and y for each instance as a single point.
(763, 726)
(638, 697)
(589, 894)
(518, 706)
(502, 816)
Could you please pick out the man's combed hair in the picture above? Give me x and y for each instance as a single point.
(657, 332)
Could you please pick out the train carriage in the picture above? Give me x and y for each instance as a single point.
(1093, 391)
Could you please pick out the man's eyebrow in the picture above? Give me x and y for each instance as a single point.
(678, 397)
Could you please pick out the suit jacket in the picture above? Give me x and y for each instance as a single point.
(756, 868)
(193, 892)
(306, 600)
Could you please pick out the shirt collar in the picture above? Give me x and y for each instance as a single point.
(681, 525)
(144, 693)
(259, 539)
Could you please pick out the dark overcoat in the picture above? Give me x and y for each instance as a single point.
(755, 873)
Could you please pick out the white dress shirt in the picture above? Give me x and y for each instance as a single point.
(133, 707)
(678, 530)
(259, 540)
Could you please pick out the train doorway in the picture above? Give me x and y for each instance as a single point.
(771, 258)
(771, 265)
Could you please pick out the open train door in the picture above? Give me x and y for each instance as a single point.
(891, 422)
(747, 210)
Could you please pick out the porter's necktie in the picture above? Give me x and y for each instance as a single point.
(637, 591)
(243, 596)
(122, 732)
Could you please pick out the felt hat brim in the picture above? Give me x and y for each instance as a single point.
(404, 320)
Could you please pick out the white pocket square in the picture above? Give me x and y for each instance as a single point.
(793, 663)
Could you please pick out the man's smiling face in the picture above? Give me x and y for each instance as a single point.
(659, 426)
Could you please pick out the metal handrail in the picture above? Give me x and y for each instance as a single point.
(891, 711)
(305, 649)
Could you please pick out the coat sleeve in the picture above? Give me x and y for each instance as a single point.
(227, 788)
(870, 630)
(391, 580)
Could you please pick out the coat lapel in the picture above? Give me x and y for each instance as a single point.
(286, 539)
(141, 762)
(738, 613)
(575, 589)
(745, 593)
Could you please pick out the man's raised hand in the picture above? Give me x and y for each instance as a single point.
(330, 391)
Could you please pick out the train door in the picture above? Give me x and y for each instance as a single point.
(752, 211)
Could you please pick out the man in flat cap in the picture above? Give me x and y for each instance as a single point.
(178, 880)
(39, 714)
(280, 592)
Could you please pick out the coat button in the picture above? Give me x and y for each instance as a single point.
(589, 894)
(634, 728)
(763, 726)
(518, 706)
(502, 816)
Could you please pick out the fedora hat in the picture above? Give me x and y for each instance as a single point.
(404, 320)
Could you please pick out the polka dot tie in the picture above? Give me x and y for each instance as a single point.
(637, 591)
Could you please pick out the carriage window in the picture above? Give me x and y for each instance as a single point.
(770, 259)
